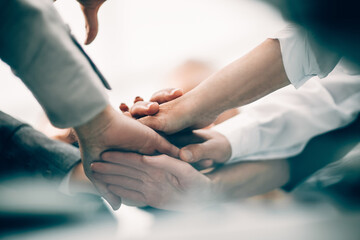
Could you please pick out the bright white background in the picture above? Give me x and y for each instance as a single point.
(141, 41)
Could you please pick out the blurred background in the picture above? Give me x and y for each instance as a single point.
(140, 42)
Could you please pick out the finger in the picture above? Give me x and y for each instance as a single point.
(166, 95)
(127, 114)
(91, 23)
(195, 152)
(133, 203)
(163, 146)
(204, 164)
(153, 122)
(123, 107)
(130, 195)
(123, 181)
(141, 109)
(138, 99)
(129, 159)
(172, 165)
(111, 198)
(116, 169)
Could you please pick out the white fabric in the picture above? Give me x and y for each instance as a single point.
(302, 57)
(281, 124)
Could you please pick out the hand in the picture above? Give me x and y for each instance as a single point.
(174, 113)
(90, 9)
(158, 181)
(207, 147)
(179, 114)
(142, 108)
(112, 130)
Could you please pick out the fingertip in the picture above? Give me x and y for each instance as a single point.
(177, 92)
(153, 108)
(138, 99)
(113, 200)
(123, 107)
(186, 155)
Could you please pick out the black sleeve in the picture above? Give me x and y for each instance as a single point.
(321, 151)
(23, 150)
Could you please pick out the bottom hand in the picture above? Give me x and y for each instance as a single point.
(158, 181)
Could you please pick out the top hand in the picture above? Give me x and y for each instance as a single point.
(175, 112)
(111, 130)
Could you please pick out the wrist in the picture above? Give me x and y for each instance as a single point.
(96, 125)
(79, 183)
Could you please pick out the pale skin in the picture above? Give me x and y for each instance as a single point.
(168, 183)
(249, 78)
(113, 130)
(90, 9)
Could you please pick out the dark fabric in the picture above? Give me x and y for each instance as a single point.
(321, 151)
(23, 150)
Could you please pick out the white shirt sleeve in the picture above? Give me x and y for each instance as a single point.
(303, 58)
(281, 124)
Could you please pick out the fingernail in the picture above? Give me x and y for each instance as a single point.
(187, 155)
(174, 91)
(149, 105)
(123, 107)
(138, 99)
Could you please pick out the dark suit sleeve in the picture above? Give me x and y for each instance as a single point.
(321, 151)
(23, 150)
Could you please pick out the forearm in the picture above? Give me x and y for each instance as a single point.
(293, 116)
(242, 180)
(251, 77)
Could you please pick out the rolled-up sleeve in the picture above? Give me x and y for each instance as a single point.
(38, 47)
(303, 58)
(281, 124)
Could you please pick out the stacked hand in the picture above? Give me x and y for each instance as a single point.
(162, 181)
(113, 130)
(203, 146)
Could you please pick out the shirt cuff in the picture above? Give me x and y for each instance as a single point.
(240, 130)
(65, 184)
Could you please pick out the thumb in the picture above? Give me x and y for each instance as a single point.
(163, 146)
(194, 152)
(152, 122)
(91, 23)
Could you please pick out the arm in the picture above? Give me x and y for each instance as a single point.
(40, 50)
(251, 77)
(289, 57)
(38, 47)
(282, 123)
(23, 150)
